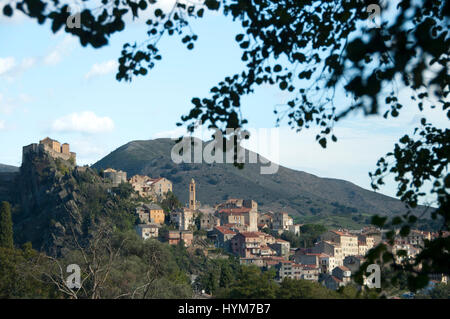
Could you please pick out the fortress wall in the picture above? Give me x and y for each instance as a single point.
(41, 148)
(65, 148)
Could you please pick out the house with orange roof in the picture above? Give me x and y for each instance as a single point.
(222, 236)
(248, 244)
(146, 186)
(347, 241)
(289, 269)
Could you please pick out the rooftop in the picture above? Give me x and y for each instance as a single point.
(251, 234)
(225, 230)
(343, 268)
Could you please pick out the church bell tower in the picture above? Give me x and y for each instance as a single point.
(192, 201)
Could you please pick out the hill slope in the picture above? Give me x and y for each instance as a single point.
(299, 193)
(8, 168)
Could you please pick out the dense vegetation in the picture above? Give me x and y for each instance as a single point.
(308, 235)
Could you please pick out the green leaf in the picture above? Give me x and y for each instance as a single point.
(323, 142)
(283, 85)
(239, 37)
(378, 221)
(404, 231)
(7, 10)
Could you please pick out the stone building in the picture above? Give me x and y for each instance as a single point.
(150, 213)
(146, 231)
(116, 177)
(208, 221)
(282, 221)
(353, 263)
(239, 216)
(265, 219)
(252, 261)
(289, 269)
(183, 219)
(339, 277)
(281, 247)
(222, 237)
(332, 250)
(174, 237)
(155, 188)
(52, 148)
(347, 241)
(248, 244)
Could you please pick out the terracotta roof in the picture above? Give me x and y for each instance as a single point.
(343, 268)
(309, 266)
(341, 233)
(225, 230)
(250, 234)
(336, 279)
(275, 258)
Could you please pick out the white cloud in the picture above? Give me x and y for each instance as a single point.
(9, 103)
(88, 151)
(83, 122)
(6, 65)
(2, 125)
(104, 68)
(62, 49)
(175, 133)
(10, 68)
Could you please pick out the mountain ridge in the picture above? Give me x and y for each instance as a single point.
(8, 168)
(299, 193)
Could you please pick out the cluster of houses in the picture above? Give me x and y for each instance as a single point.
(152, 188)
(237, 227)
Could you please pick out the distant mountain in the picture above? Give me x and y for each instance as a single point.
(7, 176)
(310, 198)
(8, 168)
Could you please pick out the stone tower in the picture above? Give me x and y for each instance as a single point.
(192, 201)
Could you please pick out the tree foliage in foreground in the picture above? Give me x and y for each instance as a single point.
(6, 228)
(313, 50)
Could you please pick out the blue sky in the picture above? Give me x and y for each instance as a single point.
(51, 86)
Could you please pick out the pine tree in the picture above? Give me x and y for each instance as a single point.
(6, 231)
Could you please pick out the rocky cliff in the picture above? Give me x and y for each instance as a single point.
(53, 200)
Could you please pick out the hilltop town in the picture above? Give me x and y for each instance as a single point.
(238, 227)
